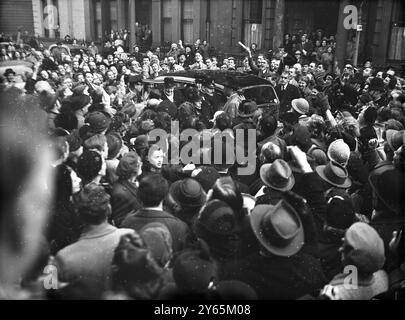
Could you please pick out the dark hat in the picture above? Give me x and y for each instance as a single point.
(389, 187)
(367, 252)
(141, 142)
(301, 137)
(376, 84)
(247, 108)
(128, 165)
(335, 174)
(206, 176)
(167, 106)
(278, 228)
(218, 218)
(89, 164)
(277, 175)
(9, 71)
(98, 121)
(395, 139)
(339, 209)
(188, 193)
(155, 94)
(193, 95)
(169, 82)
(136, 79)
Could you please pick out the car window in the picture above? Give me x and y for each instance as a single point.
(261, 94)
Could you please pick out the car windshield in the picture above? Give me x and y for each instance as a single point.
(260, 94)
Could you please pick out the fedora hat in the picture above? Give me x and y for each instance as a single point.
(9, 71)
(395, 139)
(335, 174)
(277, 175)
(278, 228)
(169, 82)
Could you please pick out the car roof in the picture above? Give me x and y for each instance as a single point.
(220, 77)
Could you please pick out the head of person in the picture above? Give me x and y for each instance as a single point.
(152, 190)
(93, 204)
(155, 157)
(90, 165)
(225, 189)
(284, 78)
(129, 166)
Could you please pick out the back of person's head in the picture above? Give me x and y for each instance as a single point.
(223, 121)
(89, 165)
(114, 142)
(128, 166)
(153, 188)
(268, 124)
(93, 204)
(370, 115)
(96, 142)
(226, 189)
(66, 120)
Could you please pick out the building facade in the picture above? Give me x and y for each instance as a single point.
(221, 22)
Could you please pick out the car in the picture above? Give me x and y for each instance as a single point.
(27, 47)
(20, 67)
(250, 86)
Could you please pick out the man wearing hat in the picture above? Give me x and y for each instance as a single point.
(98, 122)
(210, 101)
(244, 120)
(277, 178)
(231, 106)
(169, 93)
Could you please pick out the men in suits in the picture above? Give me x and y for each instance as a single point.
(286, 93)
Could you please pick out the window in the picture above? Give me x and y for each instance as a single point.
(252, 22)
(187, 21)
(396, 46)
(167, 20)
(97, 20)
(114, 15)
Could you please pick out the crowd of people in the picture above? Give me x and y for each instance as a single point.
(90, 192)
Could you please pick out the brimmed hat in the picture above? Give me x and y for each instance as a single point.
(98, 121)
(208, 83)
(339, 209)
(141, 142)
(335, 174)
(367, 252)
(389, 187)
(300, 105)
(9, 71)
(188, 193)
(278, 228)
(395, 139)
(167, 106)
(277, 175)
(169, 82)
(339, 152)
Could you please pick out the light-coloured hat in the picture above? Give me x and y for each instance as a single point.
(339, 152)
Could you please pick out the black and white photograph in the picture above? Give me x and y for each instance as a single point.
(203, 152)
